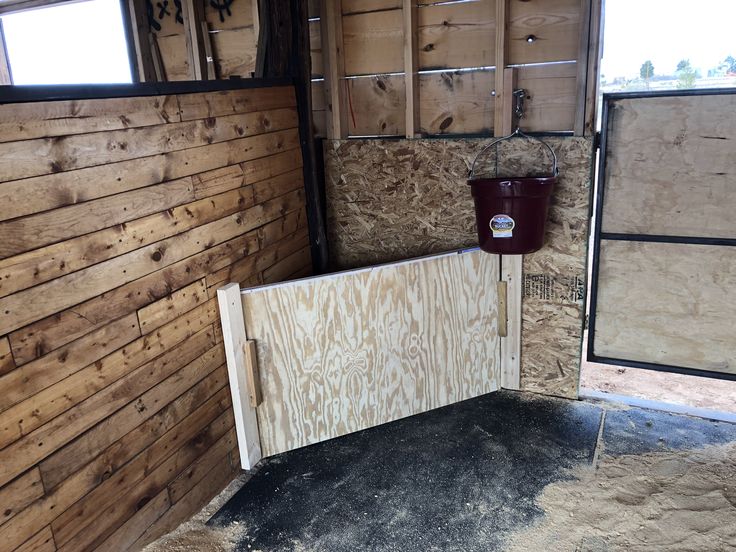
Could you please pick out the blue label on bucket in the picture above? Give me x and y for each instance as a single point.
(502, 226)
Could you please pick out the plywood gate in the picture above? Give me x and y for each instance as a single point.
(119, 218)
(348, 351)
(665, 265)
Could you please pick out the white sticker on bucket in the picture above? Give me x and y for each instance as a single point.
(502, 226)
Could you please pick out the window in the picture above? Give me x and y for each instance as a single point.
(668, 44)
(75, 43)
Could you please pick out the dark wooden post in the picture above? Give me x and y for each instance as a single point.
(283, 51)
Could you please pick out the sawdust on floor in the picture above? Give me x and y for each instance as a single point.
(657, 502)
(195, 536)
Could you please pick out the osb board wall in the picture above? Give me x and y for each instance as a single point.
(401, 340)
(394, 199)
(115, 414)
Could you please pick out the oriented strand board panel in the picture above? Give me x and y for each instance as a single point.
(669, 304)
(112, 379)
(391, 200)
(349, 351)
(670, 166)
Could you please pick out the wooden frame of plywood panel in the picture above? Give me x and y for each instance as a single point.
(115, 416)
(404, 338)
(417, 68)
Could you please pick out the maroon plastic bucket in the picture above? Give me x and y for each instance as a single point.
(511, 212)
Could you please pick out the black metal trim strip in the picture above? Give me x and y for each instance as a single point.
(652, 238)
(612, 96)
(21, 94)
(662, 368)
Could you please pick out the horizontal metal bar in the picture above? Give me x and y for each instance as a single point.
(613, 96)
(22, 94)
(689, 240)
(661, 367)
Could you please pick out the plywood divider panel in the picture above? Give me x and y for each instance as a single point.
(511, 274)
(235, 339)
(402, 339)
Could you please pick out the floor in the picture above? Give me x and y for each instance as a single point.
(506, 471)
(697, 392)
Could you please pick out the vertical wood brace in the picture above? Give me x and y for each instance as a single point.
(582, 67)
(595, 52)
(140, 32)
(511, 275)
(502, 9)
(236, 345)
(334, 68)
(211, 71)
(193, 14)
(508, 118)
(411, 67)
(251, 371)
(256, 19)
(158, 63)
(502, 289)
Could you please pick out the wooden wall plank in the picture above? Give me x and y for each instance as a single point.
(7, 364)
(377, 106)
(106, 448)
(96, 420)
(555, 24)
(552, 88)
(164, 310)
(384, 383)
(53, 226)
(363, 6)
(234, 52)
(283, 269)
(49, 155)
(457, 35)
(61, 328)
(39, 374)
(23, 490)
(230, 102)
(373, 42)
(457, 102)
(273, 165)
(64, 118)
(35, 303)
(57, 190)
(43, 541)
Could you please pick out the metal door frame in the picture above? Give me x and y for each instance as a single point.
(598, 235)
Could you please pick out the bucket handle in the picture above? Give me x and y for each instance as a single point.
(517, 132)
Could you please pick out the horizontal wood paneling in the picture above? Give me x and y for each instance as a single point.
(373, 42)
(115, 413)
(457, 35)
(555, 25)
(376, 106)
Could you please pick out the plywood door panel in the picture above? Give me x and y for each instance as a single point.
(354, 350)
(670, 167)
(668, 304)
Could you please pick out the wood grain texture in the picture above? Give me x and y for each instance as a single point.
(555, 24)
(391, 200)
(99, 418)
(667, 304)
(456, 102)
(403, 339)
(457, 35)
(669, 167)
(377, 106)
(373, 42)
